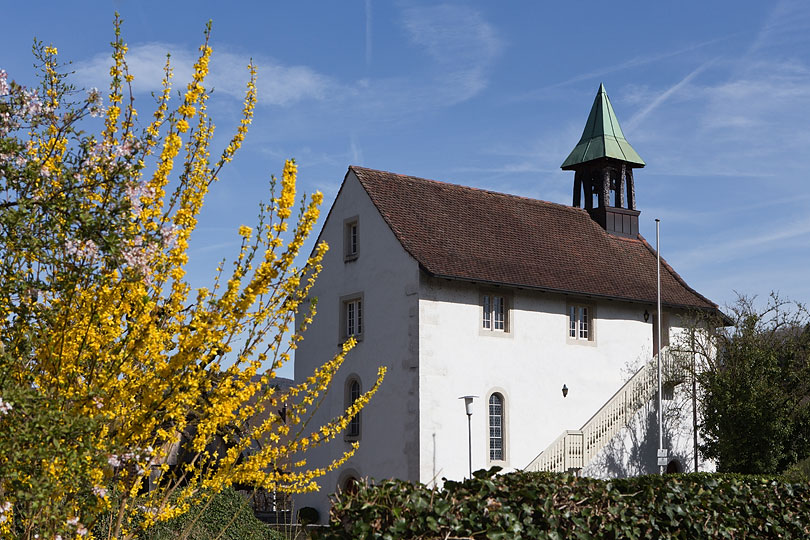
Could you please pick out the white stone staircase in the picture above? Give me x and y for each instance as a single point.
(574, 449)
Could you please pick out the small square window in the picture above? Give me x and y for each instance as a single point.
(580, 322)
(351, 239)
(494, 312)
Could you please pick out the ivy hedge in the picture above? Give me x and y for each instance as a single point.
(556, 506)
(226, 516)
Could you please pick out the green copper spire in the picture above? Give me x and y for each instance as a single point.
(602, 137)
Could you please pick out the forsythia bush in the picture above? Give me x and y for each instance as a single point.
(123, 392)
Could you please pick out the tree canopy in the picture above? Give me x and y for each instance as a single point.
(756, 389)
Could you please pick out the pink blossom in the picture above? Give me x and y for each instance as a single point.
(5, 408)
(32, 106)
(4, 89)
(135, 193)
(95, 101)
(86, 249)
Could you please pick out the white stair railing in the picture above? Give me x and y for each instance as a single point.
(574, 449)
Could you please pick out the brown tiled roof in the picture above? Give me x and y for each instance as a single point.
(476, 235)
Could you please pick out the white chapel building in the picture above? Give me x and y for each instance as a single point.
(535, 308)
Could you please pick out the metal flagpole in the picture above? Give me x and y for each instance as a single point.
(661, 450)
(694, 405)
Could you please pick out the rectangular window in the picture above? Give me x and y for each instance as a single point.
(498, 310)
(580, 322)
(353, 239)
(354, 318)
(495, 313)
(350, 239)
(487, 313)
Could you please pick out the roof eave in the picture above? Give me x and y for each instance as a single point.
(579, 156)
(705, 309)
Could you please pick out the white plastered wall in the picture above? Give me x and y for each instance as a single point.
(529, 365)
(387, 278)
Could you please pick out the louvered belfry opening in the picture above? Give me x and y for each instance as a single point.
(603, 163)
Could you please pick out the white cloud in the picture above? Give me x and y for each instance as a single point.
(736, 117)
(459, 44)
(278, 84)
(663, 96)
(781, 236)
(634, 62)
(765, 93)
(356, 153)
(462, 44)
(786, 25)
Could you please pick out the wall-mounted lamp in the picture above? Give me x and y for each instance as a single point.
(646, 315)
(565, 391)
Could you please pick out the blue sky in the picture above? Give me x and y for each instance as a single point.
(715, 97)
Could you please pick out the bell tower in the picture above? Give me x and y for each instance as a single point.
(603, 163)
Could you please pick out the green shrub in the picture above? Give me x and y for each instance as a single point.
(800, 472)
(554, 506)
(227, 510)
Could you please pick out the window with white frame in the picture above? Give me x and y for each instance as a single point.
(495, 312)
(496, 424)
(580, 322)
(350, 239)
(353, 318)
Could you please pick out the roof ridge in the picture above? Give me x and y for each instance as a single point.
(471, 188)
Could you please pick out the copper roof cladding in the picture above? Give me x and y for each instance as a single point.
(470, 234)
(602, 137)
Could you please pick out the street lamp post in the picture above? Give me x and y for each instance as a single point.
(468, 401)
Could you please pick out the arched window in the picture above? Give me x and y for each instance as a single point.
(348, 481)
(496, 438)
(349, 485)
(352, 395)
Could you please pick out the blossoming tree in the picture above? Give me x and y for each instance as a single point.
(110, 363)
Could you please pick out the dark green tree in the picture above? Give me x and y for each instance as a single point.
(756, 389)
